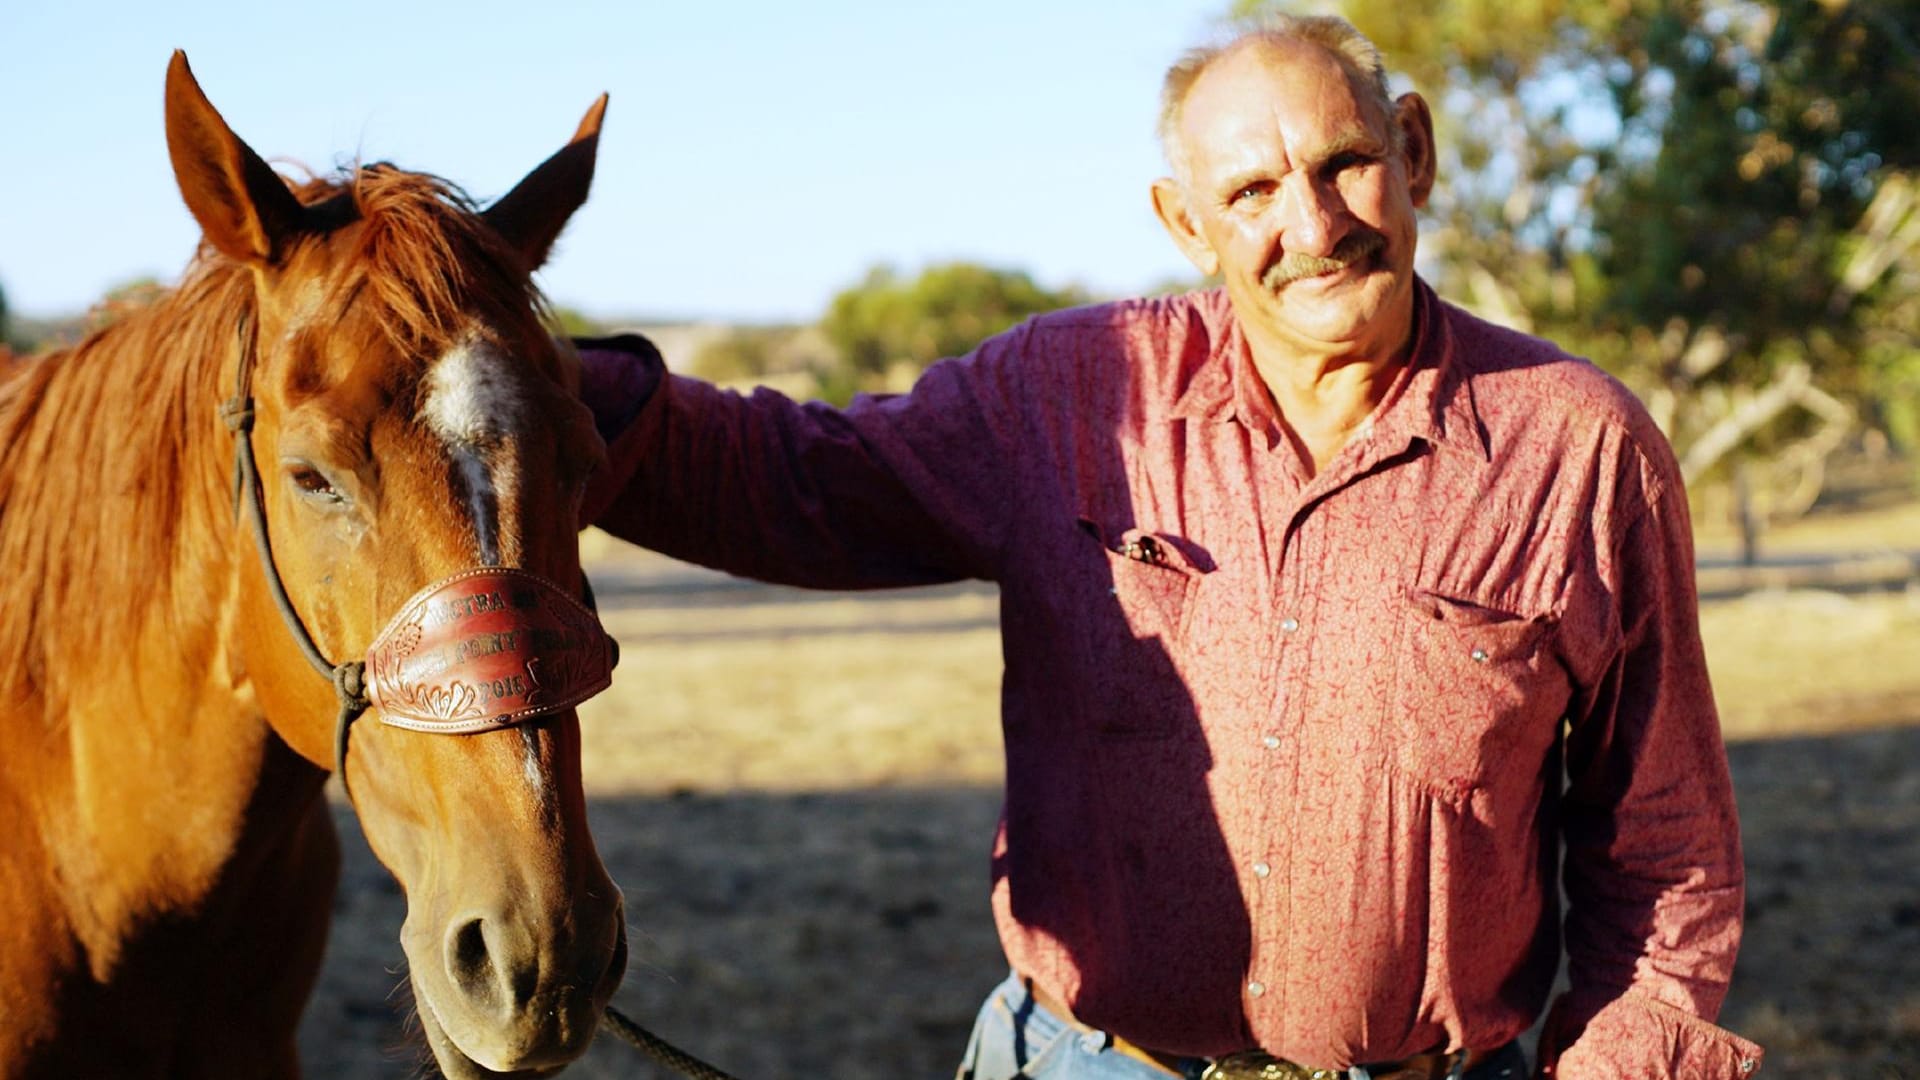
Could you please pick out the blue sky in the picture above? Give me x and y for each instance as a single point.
(757, 157)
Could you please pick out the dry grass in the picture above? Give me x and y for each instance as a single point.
(782, 691)
(1889, 520)
(1810, 663)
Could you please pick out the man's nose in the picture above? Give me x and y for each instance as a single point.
(1313, 217)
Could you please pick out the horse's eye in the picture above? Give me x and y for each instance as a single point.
(313, 482)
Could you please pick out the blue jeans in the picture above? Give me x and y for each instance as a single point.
(1015, 1039)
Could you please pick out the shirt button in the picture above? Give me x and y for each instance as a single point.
(1479, 656)
(1255, 989)
(1289, 624)
(1747, 1065)
(1261, 869)
(1271, 742)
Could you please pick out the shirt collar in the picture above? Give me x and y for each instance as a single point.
(1207, 392)
(1431, 401)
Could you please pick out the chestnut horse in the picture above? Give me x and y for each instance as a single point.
(168, 861)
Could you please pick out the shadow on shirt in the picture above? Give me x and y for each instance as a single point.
(1111, 855)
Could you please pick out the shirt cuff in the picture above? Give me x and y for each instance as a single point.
(619, 376)
(1635, 1035)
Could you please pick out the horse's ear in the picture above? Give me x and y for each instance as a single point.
(531, 216)
(242, 205)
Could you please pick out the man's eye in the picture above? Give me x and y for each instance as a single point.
(1347, 162)
(1251, 191)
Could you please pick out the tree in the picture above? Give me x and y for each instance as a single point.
(573, 322)
(888, 327)
(1713, 198)
(15, 340)
(733, 356)
(122, 300)
(790, 356)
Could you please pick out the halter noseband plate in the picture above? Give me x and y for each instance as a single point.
(487, 648)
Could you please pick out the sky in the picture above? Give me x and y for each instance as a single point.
(757, 157)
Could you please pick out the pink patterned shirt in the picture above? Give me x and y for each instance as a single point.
(1290, 761)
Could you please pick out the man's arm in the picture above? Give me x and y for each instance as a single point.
(894, 490)
(1653, 872)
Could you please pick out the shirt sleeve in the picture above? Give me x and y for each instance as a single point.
(1653, 871)
(894, 490)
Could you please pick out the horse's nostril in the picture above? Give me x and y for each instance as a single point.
(470, 962)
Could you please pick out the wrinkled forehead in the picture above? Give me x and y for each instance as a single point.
(1260, 91)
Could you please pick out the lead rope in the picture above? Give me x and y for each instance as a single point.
(349, 679)
(659, 1049)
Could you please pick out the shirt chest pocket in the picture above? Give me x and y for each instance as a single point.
(1133, 629)
(1477, 693)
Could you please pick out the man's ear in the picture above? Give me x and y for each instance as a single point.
(1415, 121)
(1170, 204)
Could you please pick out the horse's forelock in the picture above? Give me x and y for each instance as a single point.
(431, 262)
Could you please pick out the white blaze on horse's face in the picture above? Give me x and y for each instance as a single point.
(473, 401)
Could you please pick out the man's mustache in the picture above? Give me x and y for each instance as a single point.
(1352, 248)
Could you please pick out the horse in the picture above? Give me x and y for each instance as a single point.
(395, 475)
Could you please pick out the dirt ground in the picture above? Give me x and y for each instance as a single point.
(796, 792)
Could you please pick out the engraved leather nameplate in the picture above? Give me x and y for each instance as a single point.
(486, 648)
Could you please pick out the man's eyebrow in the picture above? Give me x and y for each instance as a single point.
(1356, 140)
(1347, 142)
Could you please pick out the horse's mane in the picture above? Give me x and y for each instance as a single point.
(115, 493)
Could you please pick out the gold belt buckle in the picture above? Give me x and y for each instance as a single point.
(1256, 1065)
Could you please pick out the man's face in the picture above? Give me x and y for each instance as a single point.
(1296, 196)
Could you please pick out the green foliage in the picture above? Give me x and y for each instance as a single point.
(573, 322)
(790, 356)
(1768, 157)
(122, 299)
(6, 326)
(888, 324)
(738, 354)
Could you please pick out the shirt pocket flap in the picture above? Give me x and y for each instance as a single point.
(1134, 630)
(1150, 548)
(1475, 633)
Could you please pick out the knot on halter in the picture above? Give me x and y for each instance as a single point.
(238, 413)
(350, 686)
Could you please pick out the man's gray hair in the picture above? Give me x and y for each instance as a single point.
(1330, 32)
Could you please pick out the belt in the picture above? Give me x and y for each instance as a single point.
(1259, 1065)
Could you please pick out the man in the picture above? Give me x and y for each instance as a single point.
(1331, 616)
